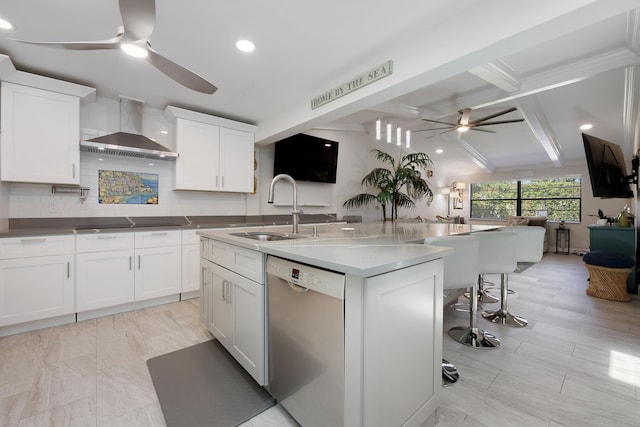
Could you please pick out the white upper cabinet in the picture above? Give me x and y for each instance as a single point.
(216, 154)
(40, 136)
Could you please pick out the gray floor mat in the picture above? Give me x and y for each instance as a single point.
(203, 385)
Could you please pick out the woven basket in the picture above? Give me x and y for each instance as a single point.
(608, 283)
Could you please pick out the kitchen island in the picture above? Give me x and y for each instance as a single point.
(392, 311)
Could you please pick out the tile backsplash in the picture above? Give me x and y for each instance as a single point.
(37, 200)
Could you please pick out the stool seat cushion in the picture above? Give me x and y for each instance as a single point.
(608, 259)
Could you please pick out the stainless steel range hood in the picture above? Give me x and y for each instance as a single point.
(129, 141)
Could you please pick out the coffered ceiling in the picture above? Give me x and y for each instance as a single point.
(561, 64)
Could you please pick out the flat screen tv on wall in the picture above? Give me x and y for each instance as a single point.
(607, 170)
(306, 158)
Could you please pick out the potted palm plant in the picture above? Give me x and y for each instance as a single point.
(390, 182)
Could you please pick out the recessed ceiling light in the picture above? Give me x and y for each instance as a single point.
(439, 151)
(164, 131)
(586, 126)
(245, 45)
(5, 25)
(134, 50)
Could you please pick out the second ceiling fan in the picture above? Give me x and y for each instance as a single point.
(465, 123)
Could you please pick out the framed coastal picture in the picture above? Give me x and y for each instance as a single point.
(127, 188)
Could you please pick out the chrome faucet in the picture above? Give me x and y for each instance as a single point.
(295, 212)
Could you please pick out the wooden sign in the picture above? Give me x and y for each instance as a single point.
(354, 84)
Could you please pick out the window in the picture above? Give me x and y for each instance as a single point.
(556, 198)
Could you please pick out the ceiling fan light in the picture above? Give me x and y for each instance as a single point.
(5, 25)
(245, 45)
(134, 50)
(462, 128)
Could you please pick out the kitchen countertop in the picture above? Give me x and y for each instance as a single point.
(362, 250)
(21, 227)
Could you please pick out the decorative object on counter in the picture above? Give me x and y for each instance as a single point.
(602, 218)
(389, 182)
(561, 224)
(118, 187)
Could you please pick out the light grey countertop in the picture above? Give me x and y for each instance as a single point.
(362, 250)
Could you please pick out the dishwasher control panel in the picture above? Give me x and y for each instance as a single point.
(305, 276)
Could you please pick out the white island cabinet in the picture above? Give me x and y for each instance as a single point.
(36, 279)
(393, 296)
(41, 133)
(215, 154)
(232, 302)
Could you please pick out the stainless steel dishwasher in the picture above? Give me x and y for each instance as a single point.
(306, 341)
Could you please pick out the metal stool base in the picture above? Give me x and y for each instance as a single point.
(449, 373)
(503, 317)
(474, 337)
(484, 296)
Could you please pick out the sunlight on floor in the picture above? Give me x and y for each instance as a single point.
(624, 367)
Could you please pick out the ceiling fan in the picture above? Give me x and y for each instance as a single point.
(465, 123)
(138, 18)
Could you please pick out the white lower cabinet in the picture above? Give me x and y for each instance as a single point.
(158, 272)
(119, 268)
(235, 312)
(35, 283)
(104, 279)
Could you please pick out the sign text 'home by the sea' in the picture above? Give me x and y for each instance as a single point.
(356, 83)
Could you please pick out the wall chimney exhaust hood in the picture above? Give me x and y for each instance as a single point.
(129, 141)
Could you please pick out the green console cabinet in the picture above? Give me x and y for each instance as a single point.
(616, 239)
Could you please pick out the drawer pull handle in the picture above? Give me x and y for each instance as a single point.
(159, 233)
(130, 259)
(42, 240)
(68, 269)
(107, 236)
(139, 262)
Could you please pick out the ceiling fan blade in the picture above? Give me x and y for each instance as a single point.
(94, 45)
(499, 122)
(138, 18)
(438, 134)
(491, 116)
(178, 73)
(437, 121)
(482, 130)
(424, 130)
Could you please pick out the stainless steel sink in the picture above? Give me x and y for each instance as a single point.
(264, 235)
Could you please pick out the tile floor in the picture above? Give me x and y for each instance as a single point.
(576, 364)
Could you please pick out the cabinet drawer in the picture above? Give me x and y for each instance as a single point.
(104, 242)
(219, 252)
(151, 239)
(247, 263)
(20, 247)
(204, 248)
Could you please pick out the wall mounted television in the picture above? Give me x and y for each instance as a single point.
(607, 169)
(306, 158)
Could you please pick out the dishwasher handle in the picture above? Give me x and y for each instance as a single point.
(297, 288)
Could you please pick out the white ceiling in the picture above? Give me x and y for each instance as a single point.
(560, 63)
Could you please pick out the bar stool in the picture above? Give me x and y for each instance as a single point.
(498, 255)
(461, 270)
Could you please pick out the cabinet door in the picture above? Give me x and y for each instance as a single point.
(198, 145)
(248, 326)
(190, 268)
(104, 279)
(40, 139)
(36, 288)
(157, 272)
(220, 317)
(236, 160)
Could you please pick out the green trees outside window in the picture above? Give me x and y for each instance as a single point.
(559, 199)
